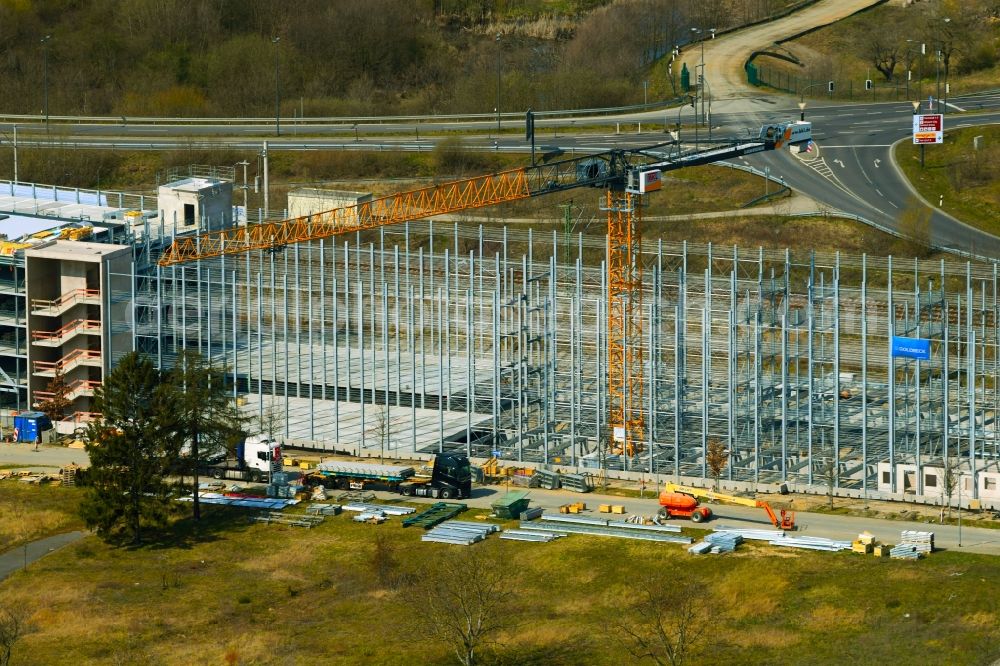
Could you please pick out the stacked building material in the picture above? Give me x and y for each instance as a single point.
(372, 517)
(604, 522)
(593, 526)
(323, 509)
(437, 513)
(724, 542)
(700, 548)
(460, 532)
(523, 481)
(531, 514)
(298, 520)
(904, 551)
(779, 538)
(388, 509)
(546, 479)
(580, 483)
(530, 535)
(242, 501)
(924, 541)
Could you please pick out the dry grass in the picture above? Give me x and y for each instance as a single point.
(30, 512)
(238, 590)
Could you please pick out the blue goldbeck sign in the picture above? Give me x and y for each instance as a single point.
(916, 348)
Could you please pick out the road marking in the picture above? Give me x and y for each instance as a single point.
(877, 161)
(840, 163)
(867, 145)
(892, 204)
(954, 106)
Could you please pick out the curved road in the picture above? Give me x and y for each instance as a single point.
(725, 56)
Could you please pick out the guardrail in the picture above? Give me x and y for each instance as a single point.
(336, 120)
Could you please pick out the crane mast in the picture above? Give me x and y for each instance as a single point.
(626, 175)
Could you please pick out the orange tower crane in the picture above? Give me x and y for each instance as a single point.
(626, 175)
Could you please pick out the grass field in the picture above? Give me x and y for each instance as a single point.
(29, 512)
(965, 181)
(255, 594)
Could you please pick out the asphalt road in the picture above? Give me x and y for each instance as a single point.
(19, 557)
(975, 540)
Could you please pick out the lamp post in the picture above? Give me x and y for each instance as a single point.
(277, 90)
(701, 80)
(45, 77)
(943, 109)
(802, 111)
(645, 96)
(498, 86)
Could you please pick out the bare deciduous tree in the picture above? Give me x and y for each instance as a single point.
(464, 601)
(949, 481)
(828, 475)
(381, 428)
(666, 624)
(13, 627)
(717, 459)
(915, 226)
(272, 418)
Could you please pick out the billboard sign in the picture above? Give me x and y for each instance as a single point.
(928, 128)
(915, 348)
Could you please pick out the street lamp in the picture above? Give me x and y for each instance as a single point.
(45, 69)
(945, 109)
(498, 86)
(277, 90)
(701, 79)
(802, 111)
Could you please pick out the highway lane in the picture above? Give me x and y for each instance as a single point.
(852, 170)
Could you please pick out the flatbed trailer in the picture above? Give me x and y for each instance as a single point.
(451, 477)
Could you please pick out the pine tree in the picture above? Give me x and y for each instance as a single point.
(131, 451)
(205, 416)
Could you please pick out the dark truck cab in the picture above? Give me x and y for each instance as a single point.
(451, 478)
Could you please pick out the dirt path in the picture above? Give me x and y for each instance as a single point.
(18, 557)
(725, 56)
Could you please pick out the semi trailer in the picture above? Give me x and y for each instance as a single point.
(451, 477)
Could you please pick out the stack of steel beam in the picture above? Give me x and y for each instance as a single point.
(924, 541)
(610, 529)
(577, 482)
(530, 535)
(604, 522)
(700, 548)
(388, 509)
(725, 542)
(531, 514)
(905, 551)
(324, 509)
(460, 532)
(779, 538)
(546, 479)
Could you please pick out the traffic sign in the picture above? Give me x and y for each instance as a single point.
(928, 128)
